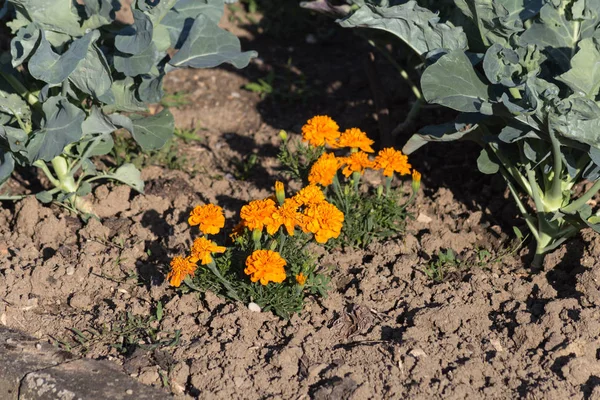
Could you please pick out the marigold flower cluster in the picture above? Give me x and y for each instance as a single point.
(319, 131)
(307, 210)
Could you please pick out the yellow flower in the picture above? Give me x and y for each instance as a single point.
(265, 266)
(323, 170)
(301, 279)
(310, 194)
(180, 268)
(356, 162)
(202, 250)
(258, 213)
(287, 215)
(324, 220)
(319, 130)
(391, 160)
(356, 139)
(209, 217)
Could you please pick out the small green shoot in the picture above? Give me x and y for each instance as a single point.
(175, 100)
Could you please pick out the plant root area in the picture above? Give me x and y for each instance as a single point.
(489, 328)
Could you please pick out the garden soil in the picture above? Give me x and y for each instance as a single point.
(492, 328)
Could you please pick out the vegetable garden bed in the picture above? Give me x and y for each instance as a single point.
(405, 317)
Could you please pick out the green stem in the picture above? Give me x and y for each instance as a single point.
(412, 114)
(42, 165)
(230, 290)
(556, 197)
(580, 202)
(22, 91)
(63, 173)
(388, 185)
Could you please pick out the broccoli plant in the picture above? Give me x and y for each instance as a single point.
(78, 70)
(525, 77)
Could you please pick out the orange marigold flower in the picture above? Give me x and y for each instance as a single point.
(311, 194)
(210, 218)
(356, 162)
(202, 250)
(324, 169)
(355, 138)
(258, 213)
(416, 176)
(391, 160)
(287, 215)
(301, 279)
(320, 130)
(324, 220)
(180, 268)
(265, 266)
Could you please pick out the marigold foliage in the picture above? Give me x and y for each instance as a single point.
(324, 220)
(210, 218)
(181, 267)
(356, 162)
(324, 169)
(391, 160)
(321, 130)
(202, 250)
(265, 266)
(356, 139)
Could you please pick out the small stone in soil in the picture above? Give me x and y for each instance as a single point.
(254, 307)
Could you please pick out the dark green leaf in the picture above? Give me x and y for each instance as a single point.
(485, 164)
(23, 44)
(151, 133)
(44, 197)
(7, 165)
(62, 126)
(208, 46)
(453, 82)
(135, 38)
(92, 75)
(16, 138)
(53, 68)
(136, 64)
(418, 27)
(129, 175)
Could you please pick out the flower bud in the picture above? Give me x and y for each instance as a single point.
(283, 135)
(416, 180)
(279, 192)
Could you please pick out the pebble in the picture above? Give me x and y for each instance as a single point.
(424, 218)
(129, 392)
(417, 353)
(254, 307)
(70, 270)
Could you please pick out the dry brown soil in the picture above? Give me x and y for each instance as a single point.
(495, 330)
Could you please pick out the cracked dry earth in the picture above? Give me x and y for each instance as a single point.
(495, 330)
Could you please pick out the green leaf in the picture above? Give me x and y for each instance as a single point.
(135, 38)
(16, 138)
(418, 27)
(62, 126)
(136, 64)
(584, 75)
(23, 44)
(124, 92)
(53, 68)
(92, 75)
(55, 15)
(208, 46)
(447, 132)
(7, 165)
(176, 21)
(129, 175)
(97, 122)
(44, 197)
(151, 89)
(13, 104)
(151, 133)
(452, 82)
(485, 165)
